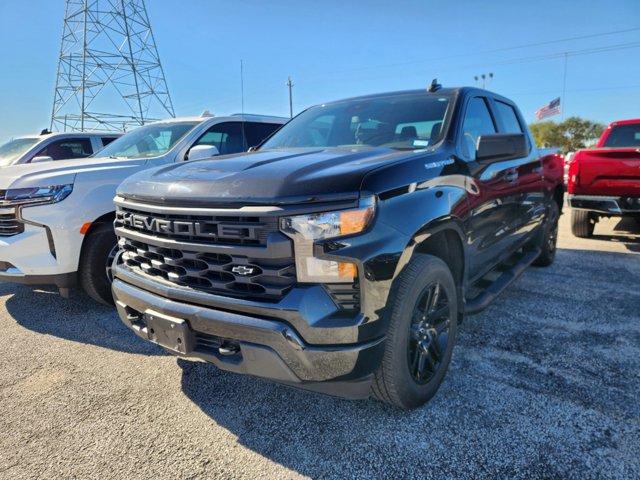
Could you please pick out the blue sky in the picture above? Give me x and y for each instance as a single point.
(335, 49)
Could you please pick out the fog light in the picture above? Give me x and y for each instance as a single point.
(316, 270)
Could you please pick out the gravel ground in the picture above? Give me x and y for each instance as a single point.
(544, 384)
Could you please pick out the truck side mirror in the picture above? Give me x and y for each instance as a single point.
(501, 146)
(202, 151)
(41, 158)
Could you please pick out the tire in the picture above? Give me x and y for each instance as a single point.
(398, 381)
(549, 239)
(582, 223)
(97, 250)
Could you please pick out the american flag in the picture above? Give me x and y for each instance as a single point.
(550, 109)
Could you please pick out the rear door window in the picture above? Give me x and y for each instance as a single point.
(509, 118)
(477, 122)
(256, 132)
(67, 149)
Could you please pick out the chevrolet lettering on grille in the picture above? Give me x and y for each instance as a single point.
(186, 228)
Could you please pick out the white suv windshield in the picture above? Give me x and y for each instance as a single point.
(14, 149)
(402, 121)
(148, 141)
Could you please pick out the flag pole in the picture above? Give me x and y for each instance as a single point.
(563, 103)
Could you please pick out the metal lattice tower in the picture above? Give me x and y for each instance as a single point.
(109, 73)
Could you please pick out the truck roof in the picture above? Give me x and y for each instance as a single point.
(449, 91)
(247, 117)
(69, 134)
(631, 121)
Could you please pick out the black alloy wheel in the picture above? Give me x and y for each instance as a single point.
(429, 333)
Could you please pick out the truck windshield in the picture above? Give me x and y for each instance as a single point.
(148, 141)
(11, 151)
(402, 121)
(624, 136)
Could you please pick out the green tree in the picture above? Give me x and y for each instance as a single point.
(571, 135)
(546, 134)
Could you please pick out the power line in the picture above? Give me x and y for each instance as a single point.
(574, 90)
(550, 56)
(512, 61)
(495, 50)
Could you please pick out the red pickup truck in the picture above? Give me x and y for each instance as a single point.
(605, 181)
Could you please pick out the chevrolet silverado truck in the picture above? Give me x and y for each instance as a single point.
(605, 181)
(342, 254)
(56, 218)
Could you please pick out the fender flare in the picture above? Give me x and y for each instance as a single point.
(433, 227)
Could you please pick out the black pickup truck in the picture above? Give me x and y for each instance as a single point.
(342, 254)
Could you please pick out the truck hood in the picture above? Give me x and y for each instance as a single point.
(60, 172)
(263, 177)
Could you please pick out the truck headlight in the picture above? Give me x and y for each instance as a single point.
(306, 229)
(37, 195)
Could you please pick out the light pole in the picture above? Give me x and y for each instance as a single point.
(290, 85)
(485, 77)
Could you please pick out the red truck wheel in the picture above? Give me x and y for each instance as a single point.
(582, 223)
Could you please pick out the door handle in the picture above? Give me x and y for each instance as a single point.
(511, 177)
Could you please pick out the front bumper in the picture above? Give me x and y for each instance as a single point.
(9, 273)
(606, 205)
(32, 255)
(262, 342)
(28, 258)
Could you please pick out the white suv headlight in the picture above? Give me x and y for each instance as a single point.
(36, 195)
(306, 229)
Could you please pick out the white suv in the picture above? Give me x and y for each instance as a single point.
(53, 146)
(56, 218)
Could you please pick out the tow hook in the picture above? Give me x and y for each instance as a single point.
(228, 349)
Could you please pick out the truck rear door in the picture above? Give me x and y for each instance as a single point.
(528, 170)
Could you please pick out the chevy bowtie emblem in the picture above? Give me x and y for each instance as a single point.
(242, 270)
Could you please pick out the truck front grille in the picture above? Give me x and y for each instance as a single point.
(230, 252)
(230, 275)
(9, 224)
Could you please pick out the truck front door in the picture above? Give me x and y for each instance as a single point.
(494, 201)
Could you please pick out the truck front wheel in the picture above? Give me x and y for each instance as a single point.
(422, 330)
(95, 263)
(582, 223)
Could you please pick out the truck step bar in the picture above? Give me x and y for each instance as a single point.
(506, 278)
